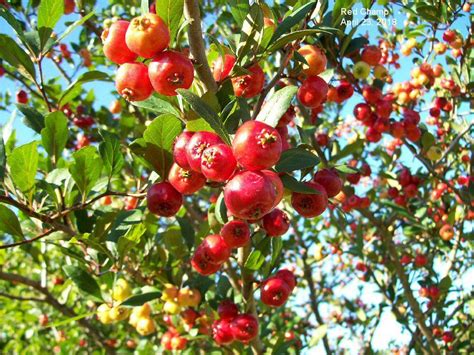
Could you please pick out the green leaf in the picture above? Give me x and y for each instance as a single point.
(292, 19)
(255, 260)
(221, 210)
(327, 75)
(130, 239)
(292, 36)
(318, 335)
(277, 245)
(157, 105)
(23, 163)
(71, 91)
(277, 105)
(54, 135)
(290, 183)
(3, 160)
(158, 139)
(83, 280)
(351, 45)
(112, 157)
(173, 241)
(251, 32)
(296, 159)
(337, 14)
(9, 222)
(171, 12)
(345, 169)
(32, 118)
(206, 112)
(69, 320)
(49, 13)
(239, 10)
(16, 57)
(141, 299)
(85, 169)
(12, 21)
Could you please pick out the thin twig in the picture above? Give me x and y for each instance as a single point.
(28, 241)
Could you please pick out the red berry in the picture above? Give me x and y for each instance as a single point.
(216, 250)
(353, 178)
(22, 97)
(256, 145)
(449, 35)
(222, 68)
(371, 94)
(236, 233)
(69, 6)
(362, 112)
(2, 71)
(197, 144)
(115, 48)
(83, 121)
(244, 327)
(448, 337)
(222, 332)
(163, 199)
(43, 320)
(288, 277)
(201, 263)
(147, 35)
(372, 135)
(276, 223)
(277, 185)
(330, 180)
(420, 260)
(287, 117)
(227, 310)
(185, 181)
(132, 82)
(322, 139)
(169, 71)
(274, 292)
(218, 163)
(250, 195)
(179, 149)
(345, 90)
(249, 85)
(313, 92)
(397, 130)
(310, 205)
(371, 55)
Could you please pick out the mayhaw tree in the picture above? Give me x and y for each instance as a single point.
(269, 178)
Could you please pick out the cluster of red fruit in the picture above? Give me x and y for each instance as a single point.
(432, 292)
(172, 340)
(232, 326)
(275, 290)
(147, 37)
(409, 184)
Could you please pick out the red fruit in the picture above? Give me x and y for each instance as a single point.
(421, 260)
(381, 125)
(397, 130)
(218, 163)
(169, 71)
(411, 117)
(330, 180)
(185, 181)
(82, 141)
(384, 108)
(322, 139)
(163, 199)
(215, 248)
(345, 90)
(277, 185)
(147, 35)
(365, 170)
(371, 94)
(449, 35)
(435, 112)
(313, 91)
(197, 144)
(227, 310)
(201, 263)
(371, 55)
(69, 6)
(132, 82)
(189, 316)
(222, 68)
(256, 145)
(362, 112)
(179, 149)
(310, 205)
(244, 327)
(287, 117)
(236, 233)
(434, 292)
(178, 343)
(353, 178)
(249, 85)
(276, 223)
(115, 48)
(131, 203)
(43, 320)
(413, 133)
(410, 190)
(448, 337)
(405, 259)
(2, 71)
(287, 276)
(22, 97)
(83, 121)
(222, 332)
(166, 340)
(274, 292)
(372, 135)
(250, 195)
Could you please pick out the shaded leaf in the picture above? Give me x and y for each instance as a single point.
(71, 90)
(141, 299)
(112, 157)
(296, 159)
(54, 135)
(9, 222)
(290, 183)
(157, 105)
(171, 12)
(86, 168)
(83, 280)
(16, 57)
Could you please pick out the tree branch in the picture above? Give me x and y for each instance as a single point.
(27, 241)
(196, 44)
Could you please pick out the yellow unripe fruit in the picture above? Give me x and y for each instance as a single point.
(121, 290)
(406, 51)
(171, 307)
(361, 70)
(189, 297)
(139, 312)
(440, 48)
(103, 314)
(415, 72)
(411, 43)
(380, 72)
(434, 153)
(118, 314)
(146, 326)
(403, 97)
(170, 293)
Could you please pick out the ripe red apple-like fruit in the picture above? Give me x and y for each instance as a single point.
(236, 233)
(222, 68)
(69, 6)
(163, 199)
(215, 248)
(310, 205)
(313, 91)
(362, 112)
(371, 94)
(315, 58)
(169, 71)
(288, 277)
(256, 145)
(227, 310)
(22, 97)
(250, 195)
(201, 263)
(222, 332)
(115, 48)
(197, 144)
(132, 82)
(147, 35)
(218, 163)
(244, 327)
(330, 180)
(274, 292)
(185, 181)
(249, 85)
(371, 55)
(276, 223)
(179, 149)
